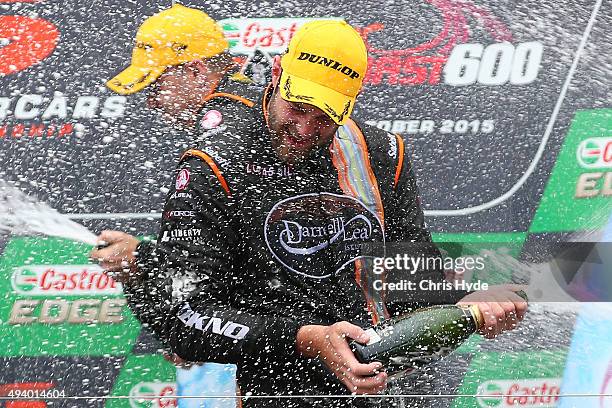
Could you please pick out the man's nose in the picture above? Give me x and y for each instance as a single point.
(307, 127)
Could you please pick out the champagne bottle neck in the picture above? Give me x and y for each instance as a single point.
(477, 315)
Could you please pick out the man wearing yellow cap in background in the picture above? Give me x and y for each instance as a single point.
(180, 58)
(181, 54)
(267, 220)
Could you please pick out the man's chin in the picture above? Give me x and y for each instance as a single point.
(289, 155)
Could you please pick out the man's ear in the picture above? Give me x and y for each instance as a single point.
(276, 70)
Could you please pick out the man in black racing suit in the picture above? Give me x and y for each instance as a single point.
(260, 260)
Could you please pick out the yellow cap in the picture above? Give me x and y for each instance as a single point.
(324, 67)
(170, 37)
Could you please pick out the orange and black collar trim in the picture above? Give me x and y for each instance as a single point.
(216, 93)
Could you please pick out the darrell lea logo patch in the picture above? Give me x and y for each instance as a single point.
(317, 234)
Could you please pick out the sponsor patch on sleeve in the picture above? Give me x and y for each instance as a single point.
(211, 119)
(392, 146)
(182, 179)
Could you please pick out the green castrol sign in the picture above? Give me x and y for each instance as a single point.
(578, 196)
(518, 379)
(57, 303)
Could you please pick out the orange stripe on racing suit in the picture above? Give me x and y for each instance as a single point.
(400, 160)
(247, 102)
(356, 178)
(213, 166)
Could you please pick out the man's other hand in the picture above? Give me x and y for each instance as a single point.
(329, 343)
(501, 308)
(118, 258)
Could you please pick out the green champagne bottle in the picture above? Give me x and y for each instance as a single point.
(416, 339)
